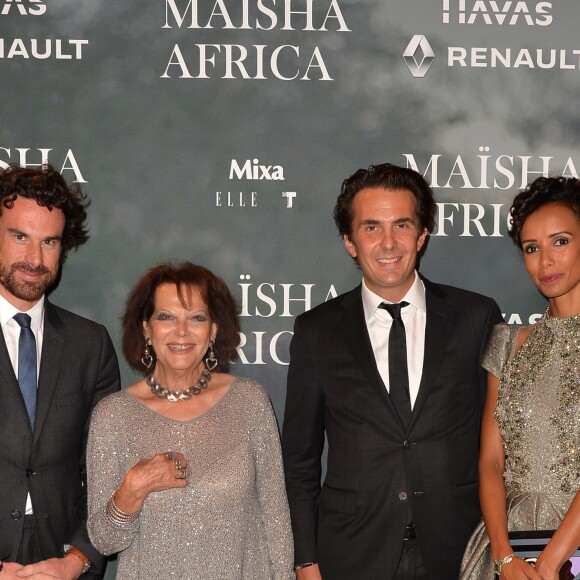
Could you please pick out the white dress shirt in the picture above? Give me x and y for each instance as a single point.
(11, 331)
(414, 318)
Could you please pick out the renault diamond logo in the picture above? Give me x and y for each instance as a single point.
(419, 55)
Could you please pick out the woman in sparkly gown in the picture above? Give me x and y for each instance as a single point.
(530, 448)
(184, 467)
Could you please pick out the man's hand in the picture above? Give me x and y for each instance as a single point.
(68, 568)
(9, 570)
(309, 573)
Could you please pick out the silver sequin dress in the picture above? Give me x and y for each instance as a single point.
(538, 412)
(232, 521)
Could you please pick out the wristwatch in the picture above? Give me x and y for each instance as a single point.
(68, 549)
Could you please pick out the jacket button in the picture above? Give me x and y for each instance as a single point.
(403, 495)
(30, 473)
(407, 444)
(15, 515)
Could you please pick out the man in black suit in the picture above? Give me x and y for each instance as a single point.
(44, 413)
(399, 499)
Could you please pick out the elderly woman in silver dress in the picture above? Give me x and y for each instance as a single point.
(184, 468)
(530, 448)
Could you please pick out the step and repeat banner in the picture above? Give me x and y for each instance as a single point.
(219, 131)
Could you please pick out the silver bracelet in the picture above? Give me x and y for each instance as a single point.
(305, 565)
(119, 517)
(497, 564)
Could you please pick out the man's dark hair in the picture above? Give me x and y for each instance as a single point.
(390, 177)
(47, 187)
(543, 190)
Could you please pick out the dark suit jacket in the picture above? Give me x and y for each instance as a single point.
(78, 368)
(354, 525)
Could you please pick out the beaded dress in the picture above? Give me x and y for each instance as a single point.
(538, 412)
(230, 523)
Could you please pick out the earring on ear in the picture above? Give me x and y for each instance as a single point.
(211, 360)
(147, 358)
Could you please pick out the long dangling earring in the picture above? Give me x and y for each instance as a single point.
(147, 358)
(211, 360)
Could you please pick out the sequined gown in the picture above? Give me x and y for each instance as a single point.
(231, 522)
(538, 412)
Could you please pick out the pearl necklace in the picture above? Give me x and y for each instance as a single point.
(184, 395)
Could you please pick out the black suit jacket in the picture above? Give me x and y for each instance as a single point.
(78, 368)
(354, 524)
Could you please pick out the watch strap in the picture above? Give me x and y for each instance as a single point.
(86, 562)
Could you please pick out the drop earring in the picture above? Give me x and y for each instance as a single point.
(147, 358)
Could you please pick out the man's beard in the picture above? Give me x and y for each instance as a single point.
(26, 290)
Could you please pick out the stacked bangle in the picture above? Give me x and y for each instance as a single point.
(119, 517)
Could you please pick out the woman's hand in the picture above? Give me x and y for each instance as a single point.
(550, 573)
(553, 562)
(518, 569)
(162, 471)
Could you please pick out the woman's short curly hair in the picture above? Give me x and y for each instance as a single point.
(215, 293)
(543, 190)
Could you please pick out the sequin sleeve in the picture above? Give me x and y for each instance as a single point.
(104, 477)
(500, 348)
(271, 489)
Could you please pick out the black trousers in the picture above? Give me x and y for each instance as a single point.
(411, 565)
(29, 551)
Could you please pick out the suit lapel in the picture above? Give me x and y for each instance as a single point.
(50, 364)
(360, 343)
(9, 379)
(438, 329)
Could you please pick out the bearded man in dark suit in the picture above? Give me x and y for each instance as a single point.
(390, 373)
(54, 367)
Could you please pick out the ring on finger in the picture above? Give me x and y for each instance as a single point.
(170, 455)
(178, 465)
(183, 473)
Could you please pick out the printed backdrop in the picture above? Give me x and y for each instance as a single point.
(219, 131)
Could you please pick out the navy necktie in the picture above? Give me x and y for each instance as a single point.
(27, 364)
(398, 372)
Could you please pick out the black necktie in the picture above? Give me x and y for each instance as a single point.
(398, 372)
(27, 364)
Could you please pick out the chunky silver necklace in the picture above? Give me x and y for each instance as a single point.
(184, 395)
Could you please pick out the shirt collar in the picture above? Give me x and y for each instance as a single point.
(414, 296)
(7, 312)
